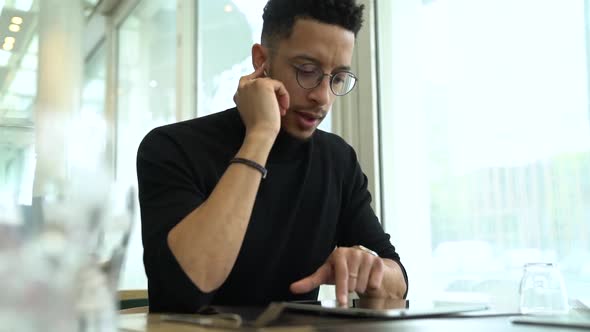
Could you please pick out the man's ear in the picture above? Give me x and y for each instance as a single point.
(259, 55)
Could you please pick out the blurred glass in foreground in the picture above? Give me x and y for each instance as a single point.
(61, 256)
(542, 290)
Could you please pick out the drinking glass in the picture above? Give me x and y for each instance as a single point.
(542, 290)
(107, 211)
(61, 257)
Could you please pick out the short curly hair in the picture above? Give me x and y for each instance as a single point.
(280, 16)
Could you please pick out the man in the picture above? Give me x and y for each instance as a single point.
(253, 204)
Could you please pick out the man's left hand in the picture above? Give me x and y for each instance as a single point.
(354, 269)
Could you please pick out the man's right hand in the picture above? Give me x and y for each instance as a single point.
(261, 102)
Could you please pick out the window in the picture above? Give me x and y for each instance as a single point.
(18, 88)
(226, 31)
(19, 57)
(486, 156)
(146, 98)
(94, 89)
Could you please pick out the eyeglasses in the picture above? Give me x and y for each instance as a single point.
(310, 76)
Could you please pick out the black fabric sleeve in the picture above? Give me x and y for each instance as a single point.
(359, 224)
(167, 193)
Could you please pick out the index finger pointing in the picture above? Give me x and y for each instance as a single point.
(341, 280)
(319, 277)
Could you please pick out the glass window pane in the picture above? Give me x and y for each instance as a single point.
(146, 99)
(220, 24)
(485, 143)
(18, 88)
(88, 6)
(94, 89)
(147, 78)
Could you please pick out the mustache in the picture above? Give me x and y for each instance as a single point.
(316, 113)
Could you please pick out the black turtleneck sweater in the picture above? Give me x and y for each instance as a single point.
(314, 198)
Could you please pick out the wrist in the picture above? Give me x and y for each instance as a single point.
(263, 132)
(264, 138)
(256, 146)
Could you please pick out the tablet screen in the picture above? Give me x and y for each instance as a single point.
(361, 303)
(380, 308)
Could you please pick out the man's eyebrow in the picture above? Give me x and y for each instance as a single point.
(306, 57)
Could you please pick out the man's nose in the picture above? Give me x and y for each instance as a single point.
(322, 93)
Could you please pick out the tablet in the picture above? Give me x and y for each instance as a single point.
(576, 321)
(379, 308)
